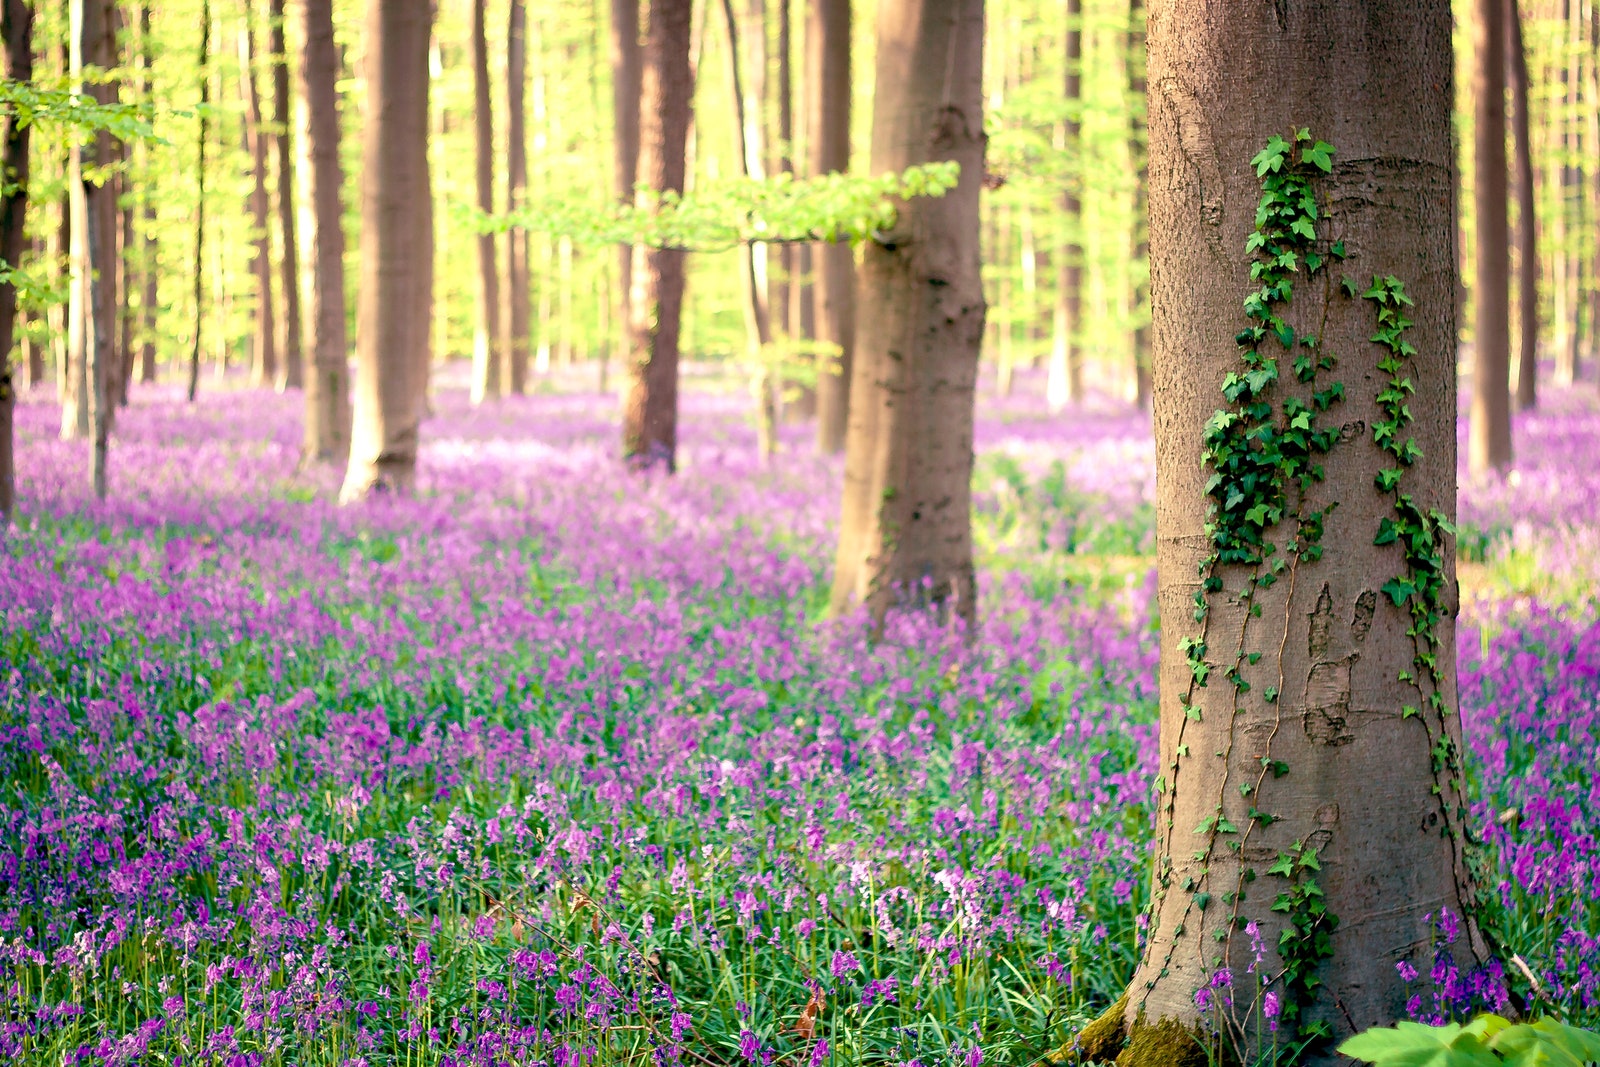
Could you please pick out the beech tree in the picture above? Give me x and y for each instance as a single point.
(91, 309)
(1066, 362)
(627, 82)
(1527, 224)
(264, 337)
(515, 316)
(827, 88)
(291, 362)
(486, 362)
(16, 31)
(905, 533)
(1309, 798)
(200, 206)
(1489, 431)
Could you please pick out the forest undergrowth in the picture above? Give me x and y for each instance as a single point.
(557, 764)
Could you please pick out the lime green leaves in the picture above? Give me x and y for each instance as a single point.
(1487, 1041)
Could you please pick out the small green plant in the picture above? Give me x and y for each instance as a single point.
(1487, 1041)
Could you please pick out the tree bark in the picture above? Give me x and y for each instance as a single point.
(1138, 148)
(1065, 381)
(393, 308)
(16, 30)
(200, 206)
(486, 357)
(148, 303)
(514, 320)
(1527, 223)
(650, 401)
(795, 303)
(1489, 436)
(94, 220)
(827, 88)
(1352, 773)
(321, 221)
(627, 73)
(905, 530)
(291, 355)
(264, 337)
(1594, 184)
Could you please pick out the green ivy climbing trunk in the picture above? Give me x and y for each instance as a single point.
(1298, 788)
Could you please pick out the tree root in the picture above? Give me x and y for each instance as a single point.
(1109, 1040)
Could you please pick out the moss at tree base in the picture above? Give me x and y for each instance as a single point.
(1106, 1040)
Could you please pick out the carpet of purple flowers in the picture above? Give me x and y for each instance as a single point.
(554, 764)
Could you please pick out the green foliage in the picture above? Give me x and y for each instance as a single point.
(1487, 1041)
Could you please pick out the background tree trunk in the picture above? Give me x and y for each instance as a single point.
(94, 244)
(486, 357)
(627, 73)
(327, 428)
(827, 88)
(16, 31)
(650, 402)
(514, 319)
(292, 354)
(200, 208)
(393, 305)
(264, 338)
(149, 302)
(1527, 224)
(1065, 382)
(1358, 781)
(1138, 148)
(905, 532)
(1489, 435)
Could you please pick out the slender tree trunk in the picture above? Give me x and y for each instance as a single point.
(200, 207)
(827, 86)
(264, 338)
(393, 308)
(1489, 439)
(1352, 780)
(1140, 265)
(126, 271)
(291, 354)
(514, 320)
(795, 401)
(650, 400)
(905, 532)
(321, 177)
(94, 211)
(486, 357)
(1572, 184)
(1527, 251)
(1593, 126)
(149, 302)
(627, 66)
(16, 30)
(1065, 382)
(568, 326)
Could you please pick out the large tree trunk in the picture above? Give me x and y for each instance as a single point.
(1527, 224)
(94, 242)
(200, 206)
(394, 304)
(827, 88)
(627, 74)
(486, 359)
(291, 356)
(16, 30)
(264, 338)
(650, 401)
(1323, 753)
(1489, 436)
(327, 429)
(514, 319)
(905, 530)
(1141, 185)
(1065, 381)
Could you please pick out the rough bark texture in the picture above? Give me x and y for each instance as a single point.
(827, 89)
(486, 357)
(394, 305)
(200, 204)
(650, 400)
(1527, 224)
(264, 338)
(327, 428)
(514, 318)
(905, 530)
(1489, 434)
(16, 30)
(291, 353)
(1065, 381)
(627, 74)
(94, 243)
(1375, 79)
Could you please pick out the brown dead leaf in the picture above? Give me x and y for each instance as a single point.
(805, 1027)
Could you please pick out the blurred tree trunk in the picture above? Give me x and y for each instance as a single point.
(394, 304)
(827, 87)
(627, 65)
(792, 302)
(264, 337)
(94, 241)
(1065, 383)
(650, 402)
(1572, 186)
(16, 30)
(1593, 126)
(127, 269)
(292, 355)
(1223, 77)
(148, 304)
(321, 177)
(1489, 437)
(515, 316)
(905, 533)
(1138, 149)
(200, 207)
(1527, 250)
(486, 359)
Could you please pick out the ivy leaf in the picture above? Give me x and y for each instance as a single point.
(1320, 155)
(1387, 480)
(1399, 590)
(1350, 287)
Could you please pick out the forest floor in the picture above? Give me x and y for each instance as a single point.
(556, 764)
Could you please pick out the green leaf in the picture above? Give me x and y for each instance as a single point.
(1409, 1044)
(1546, 1043)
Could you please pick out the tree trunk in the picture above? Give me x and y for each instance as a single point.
(1593, 192)
(1572, 180)
(486, 358)
(16, 30)
(827, 88)
(1138, 148)
(1065, 382)
(292, 355)
(1352, 785)
(393, 308)
(1527, 251)
(1489, 437)
(650, 401)
(321, 220)
(94, 220)
(264, 338)
(796, 401)
(627, 67)
(514, 320)
(905, 533)
(200, 206)
(152, 263)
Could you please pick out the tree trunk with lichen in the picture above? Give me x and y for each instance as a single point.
(1291, 756)
(905, 535)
